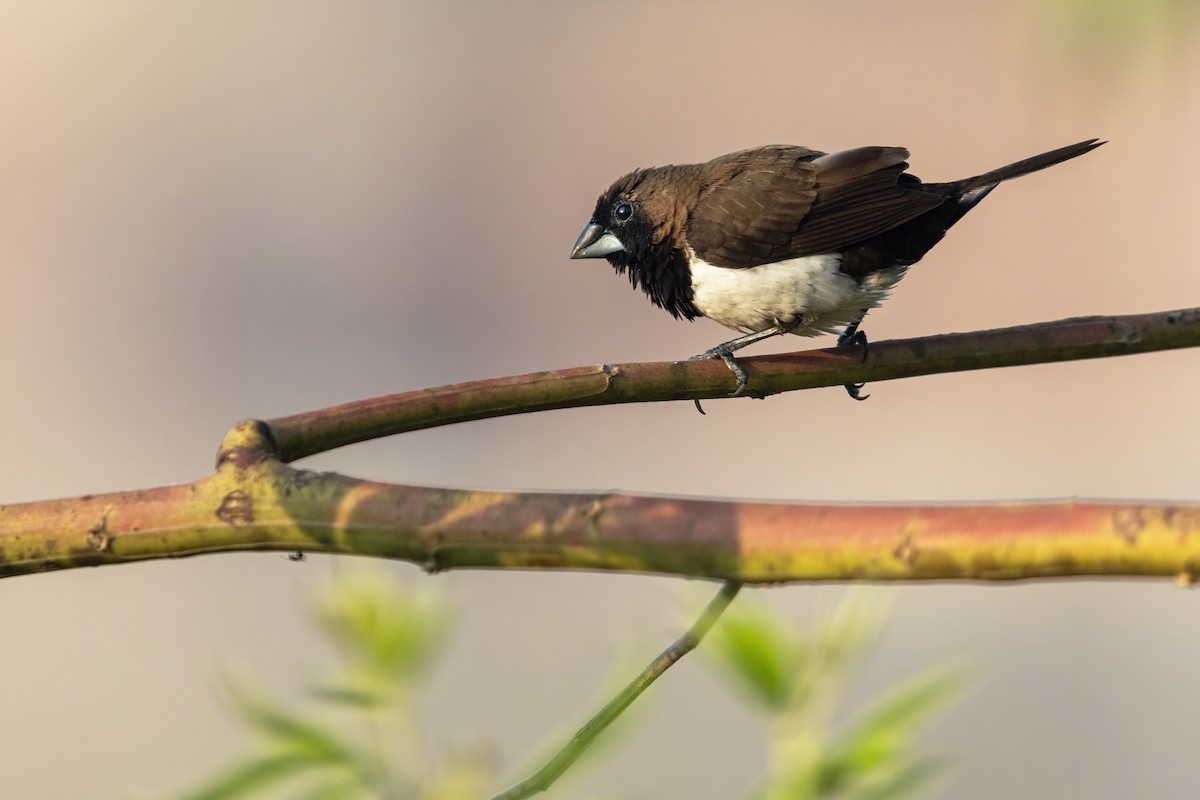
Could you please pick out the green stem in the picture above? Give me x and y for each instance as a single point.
(541, 780)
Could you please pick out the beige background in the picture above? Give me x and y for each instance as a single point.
(225, 208)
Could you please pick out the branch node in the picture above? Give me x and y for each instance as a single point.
(236, 509)
(247, 443)
(593, 510)
(98, 537)
(906, 551)
(1128, 523)
(1130, 335)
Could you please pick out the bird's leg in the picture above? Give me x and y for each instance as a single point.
(725, 351)
(850, 337)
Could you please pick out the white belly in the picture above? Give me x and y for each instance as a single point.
(810, 293)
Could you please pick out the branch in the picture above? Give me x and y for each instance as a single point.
(541, 780)
(315, 432)
(254, 501)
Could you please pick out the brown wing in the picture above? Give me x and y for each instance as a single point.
(781, 206)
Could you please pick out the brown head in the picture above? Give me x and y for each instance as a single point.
(640, 225)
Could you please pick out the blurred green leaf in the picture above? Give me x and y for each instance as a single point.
(845, 632)
(1115, 50)
(888, 727)
(360, 697)
(903, 782)
(754, 647)
(380, 626)
(356, 735)
(1114, 23)
(252, 776)
(800, 683)
(796, 780)
(388, 635)
(337, 788)
(291, 734)
(465, 779)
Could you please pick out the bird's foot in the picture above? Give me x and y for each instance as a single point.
(853, 337)
(853, 390)
(723, 352)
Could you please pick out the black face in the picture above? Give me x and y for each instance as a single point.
(622, 216)
(648, 258)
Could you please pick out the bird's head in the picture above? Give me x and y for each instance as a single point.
(638, 225)
(620, 228)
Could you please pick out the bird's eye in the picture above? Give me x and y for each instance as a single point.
(623, 212)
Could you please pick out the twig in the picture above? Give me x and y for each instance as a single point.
(314, 432)
(541, 780)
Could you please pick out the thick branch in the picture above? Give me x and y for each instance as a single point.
(314, 432)
(254, 502)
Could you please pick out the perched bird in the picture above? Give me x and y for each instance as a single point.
(782, 239)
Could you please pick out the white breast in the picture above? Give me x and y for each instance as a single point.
(809, 292)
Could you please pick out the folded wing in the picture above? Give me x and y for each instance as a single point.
(792, 202)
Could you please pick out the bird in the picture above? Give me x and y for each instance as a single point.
(782, 238)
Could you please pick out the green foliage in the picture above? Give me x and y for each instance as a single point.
(758, 652)
(356, 734)
(1114, 46)
(797, 680)
(387, 636)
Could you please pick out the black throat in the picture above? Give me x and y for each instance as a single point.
(662, 272)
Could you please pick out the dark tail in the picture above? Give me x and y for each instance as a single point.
(988, 180)
(913, 239)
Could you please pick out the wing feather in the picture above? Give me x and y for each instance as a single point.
(787, 203)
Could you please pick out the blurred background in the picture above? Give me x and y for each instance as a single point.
(230, 208)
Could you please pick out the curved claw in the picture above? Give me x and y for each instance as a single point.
(707, 354)
(725, 355)
(737, 371)
(853, 390)
(856, 339)
(853, 337)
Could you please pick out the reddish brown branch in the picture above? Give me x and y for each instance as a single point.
(314, 432)
(254, 502)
